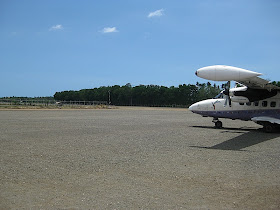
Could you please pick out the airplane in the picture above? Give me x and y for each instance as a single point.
(253, 98)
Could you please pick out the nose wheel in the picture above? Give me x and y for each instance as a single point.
(218, 123)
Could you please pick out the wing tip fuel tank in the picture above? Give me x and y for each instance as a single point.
(225, 73)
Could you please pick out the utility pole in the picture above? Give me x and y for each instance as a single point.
(109, 97)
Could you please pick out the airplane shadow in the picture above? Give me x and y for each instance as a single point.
(250, 137)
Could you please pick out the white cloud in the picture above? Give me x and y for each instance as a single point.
(156, 13)
(109, 30)
(56, 27)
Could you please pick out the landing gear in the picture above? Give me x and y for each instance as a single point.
(268, 127)
(218, 123)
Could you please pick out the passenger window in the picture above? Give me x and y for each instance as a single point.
(241, 104)
(272, 104)
(248, 103)
(256, 103)
(264, 103)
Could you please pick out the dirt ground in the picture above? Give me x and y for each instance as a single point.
(135, 158)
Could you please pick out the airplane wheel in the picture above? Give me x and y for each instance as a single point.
(269, 128)
(218, 124)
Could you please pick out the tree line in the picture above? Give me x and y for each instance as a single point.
(143, 95)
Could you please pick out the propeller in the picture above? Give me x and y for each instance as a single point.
(226, 93)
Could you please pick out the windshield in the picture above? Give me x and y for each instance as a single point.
(220, 95)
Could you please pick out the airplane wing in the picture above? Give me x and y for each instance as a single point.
(230, 73)
(258, 83)
(266, 119)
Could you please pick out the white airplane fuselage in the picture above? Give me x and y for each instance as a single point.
(257, 99)
(217, 108)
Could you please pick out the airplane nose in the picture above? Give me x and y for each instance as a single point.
(196, 73)
(193, 107)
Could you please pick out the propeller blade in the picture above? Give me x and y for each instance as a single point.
(226, 92)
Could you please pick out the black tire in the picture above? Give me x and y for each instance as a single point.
(268, 128)
(218, 124)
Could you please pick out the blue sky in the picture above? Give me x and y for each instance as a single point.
(49, 46)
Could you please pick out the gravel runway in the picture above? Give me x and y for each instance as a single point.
(135, 158)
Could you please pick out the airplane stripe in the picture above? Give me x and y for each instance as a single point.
(241, 114)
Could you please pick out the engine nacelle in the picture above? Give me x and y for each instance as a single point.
(232, 91)
(225, 73)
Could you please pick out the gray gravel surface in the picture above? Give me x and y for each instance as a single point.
(135, 158)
